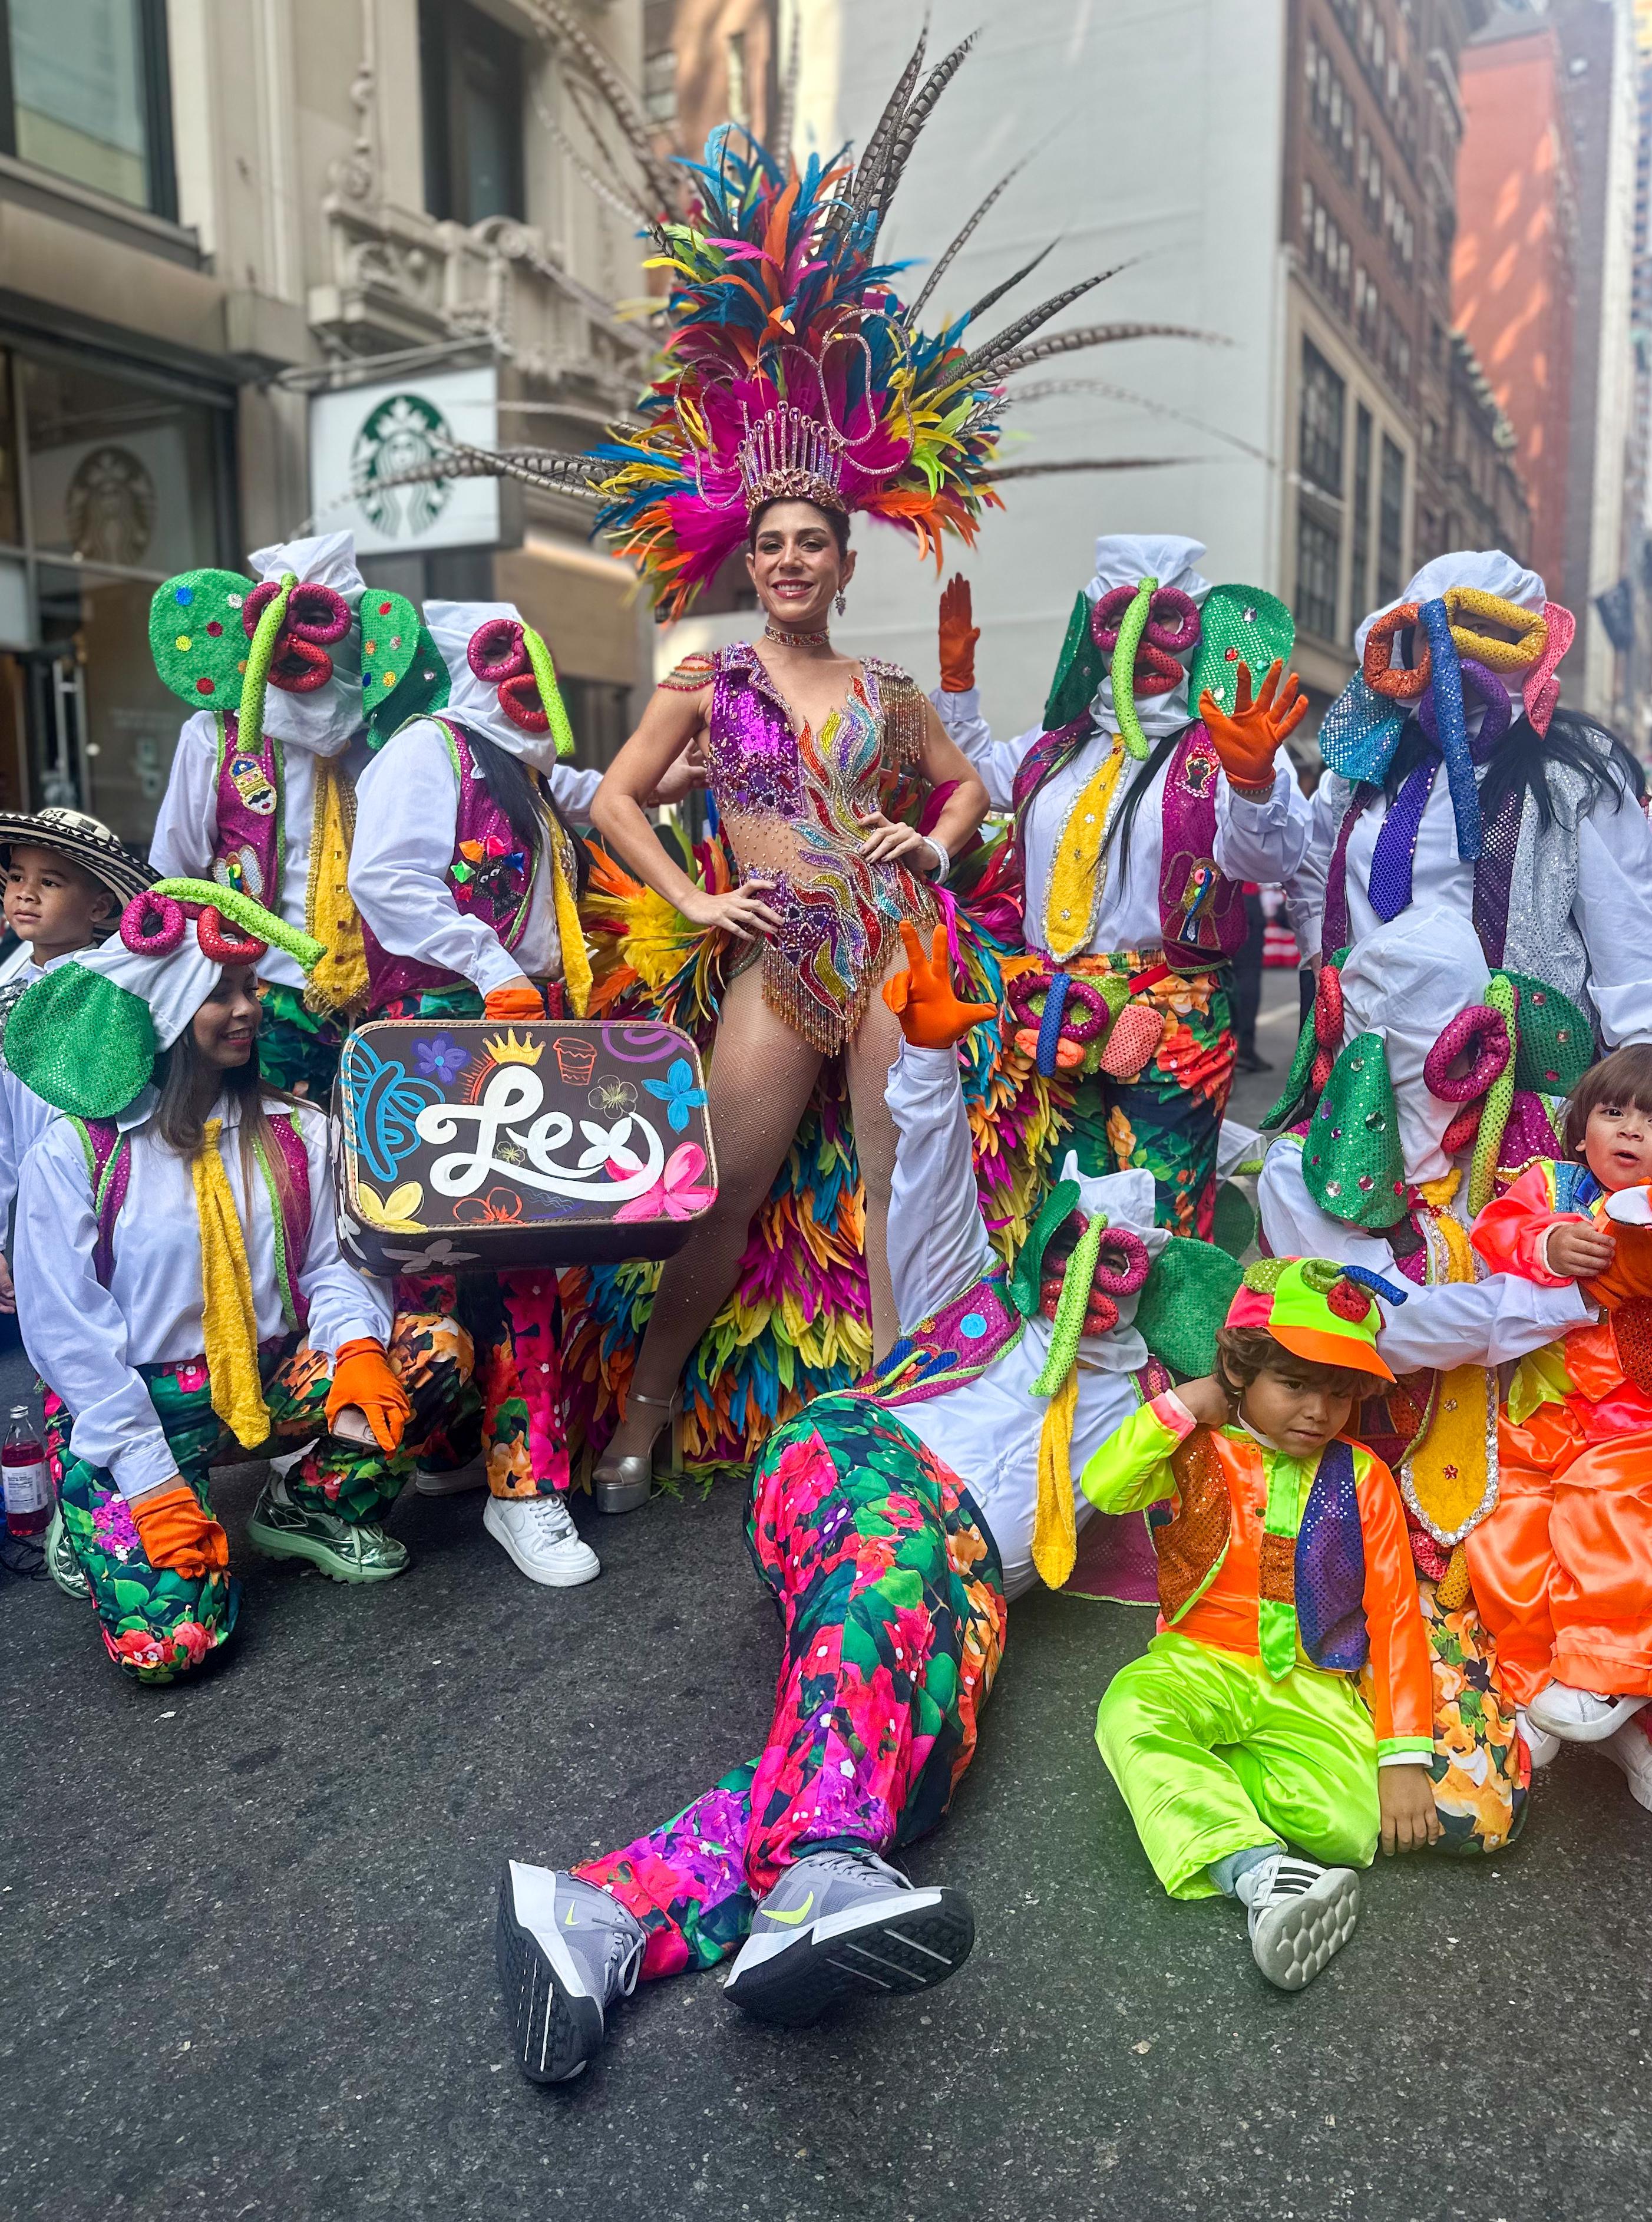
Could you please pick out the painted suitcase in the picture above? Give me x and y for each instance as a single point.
(467, 1146)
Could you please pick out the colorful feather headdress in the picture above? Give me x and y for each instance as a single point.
(791, 366)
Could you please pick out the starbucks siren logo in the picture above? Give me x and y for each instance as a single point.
(402, 433)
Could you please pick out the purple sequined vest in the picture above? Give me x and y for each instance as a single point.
(491, 875)
(249, 852)
(1201, 911)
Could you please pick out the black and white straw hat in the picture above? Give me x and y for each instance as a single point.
(86, 841)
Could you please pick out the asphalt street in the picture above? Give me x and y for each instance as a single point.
(246, 1921)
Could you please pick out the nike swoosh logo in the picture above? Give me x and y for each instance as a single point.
(572, 1916)
(798, 1912)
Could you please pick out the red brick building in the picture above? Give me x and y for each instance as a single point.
(1514, 273)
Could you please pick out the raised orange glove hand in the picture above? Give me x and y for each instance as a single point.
(361, 1376)
(958, 635)
(524, 1001)
(921, 997)
(1248, 741)
(177, 1531)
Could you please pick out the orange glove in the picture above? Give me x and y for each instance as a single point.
(957, 636)
(1247, 742)
(177, 1531)
(361, 1376)
(505, 1004)
(921, 997)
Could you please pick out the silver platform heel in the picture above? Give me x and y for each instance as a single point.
(625, 1485)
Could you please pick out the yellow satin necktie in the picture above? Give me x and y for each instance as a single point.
(1447, 1469)
(1055, 1526)
(340, 980)
(576, 963)
(229, 1318)
(1077, 876)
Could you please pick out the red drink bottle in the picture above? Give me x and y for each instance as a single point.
(27, 1484)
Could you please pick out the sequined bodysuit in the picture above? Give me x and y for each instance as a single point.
(791, 805)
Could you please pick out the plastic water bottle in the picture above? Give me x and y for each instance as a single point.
(28, 1483)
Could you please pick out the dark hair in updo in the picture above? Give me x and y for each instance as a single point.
(834, 517)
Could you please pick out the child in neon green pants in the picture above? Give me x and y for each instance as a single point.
(1284, 1575)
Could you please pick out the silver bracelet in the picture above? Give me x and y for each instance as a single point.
(944, 862)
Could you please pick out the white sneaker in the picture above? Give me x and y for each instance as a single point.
(1541, 1747)
(429, 1481)
(539, 1535)
(1301, 1916)
(1631, 1747)
(1581, 1716)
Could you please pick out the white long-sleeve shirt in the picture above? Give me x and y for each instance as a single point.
(87, 1341)
(406, 814)
(1611, 910)
(987, 1430)
(1486, 1323)
(24, 1116)
(1261, 841)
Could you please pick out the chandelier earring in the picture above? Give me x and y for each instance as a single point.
(840, 604)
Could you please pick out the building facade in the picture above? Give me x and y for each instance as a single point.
(212, 213)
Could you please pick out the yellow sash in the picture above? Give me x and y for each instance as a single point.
(228, 1319)
(1449, 1469)
(1055, 1526)
(340, 980)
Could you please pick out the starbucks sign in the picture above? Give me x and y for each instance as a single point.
(364, 438)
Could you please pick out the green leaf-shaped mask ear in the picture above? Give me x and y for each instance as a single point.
(1238, 624)
(84, 1045)
(1554, 1044)
(1352, 1165)
(402, 670)
(1079, 671)
(1183, 1301)
(197, 639)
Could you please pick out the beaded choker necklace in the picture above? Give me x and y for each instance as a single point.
(796, 639)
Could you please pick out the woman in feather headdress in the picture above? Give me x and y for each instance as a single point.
(796, 392)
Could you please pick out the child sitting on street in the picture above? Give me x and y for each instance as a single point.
(1286, 1589)
(66, 879)
(1562, 1566)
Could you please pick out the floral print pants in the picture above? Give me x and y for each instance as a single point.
(892, 1600)
(157, 1624)
(512, 1412)
(1168, 1117)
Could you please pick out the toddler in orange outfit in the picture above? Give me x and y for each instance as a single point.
(1562, 1566)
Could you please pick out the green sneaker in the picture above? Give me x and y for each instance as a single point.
(60, 1561)
(343, 1550)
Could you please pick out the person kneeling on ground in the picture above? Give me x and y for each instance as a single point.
(1284, 1575)
(181, 1287)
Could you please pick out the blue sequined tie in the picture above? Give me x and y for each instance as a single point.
(1389, 883)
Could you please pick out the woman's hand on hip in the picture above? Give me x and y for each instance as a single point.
(888, 842)
(741, 911)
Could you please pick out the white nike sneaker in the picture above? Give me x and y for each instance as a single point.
(1301, 1916)
(1631, 1747)
(450, 1481)
(539, 1534)
(1540, 1744)
(839, 1923)
(566, 1952)
(1581, 1716)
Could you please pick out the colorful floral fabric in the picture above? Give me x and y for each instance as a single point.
(297, 1049)
(512, 1412)
(1168, 1118)
(892, 1600)
(1482, 1770)
(156, 1624)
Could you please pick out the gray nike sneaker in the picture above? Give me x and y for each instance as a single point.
(343, 1550)
(566, 1952)
(60, 1561)
(846, 1922)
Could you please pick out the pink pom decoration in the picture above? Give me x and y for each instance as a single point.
(1478, 1023)
(152, 926)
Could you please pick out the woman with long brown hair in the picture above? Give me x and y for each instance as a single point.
(181, 1287)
